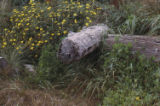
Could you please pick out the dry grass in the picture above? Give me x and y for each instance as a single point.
(14, 93)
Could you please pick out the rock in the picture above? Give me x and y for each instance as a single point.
(29, 67)
(3, 63)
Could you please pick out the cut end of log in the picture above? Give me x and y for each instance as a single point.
(66, 51)
(81, 43)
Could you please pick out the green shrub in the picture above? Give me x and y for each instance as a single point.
(119, 67)
(49, 67)
(100, 71)
(132, 18)
(130, 97)
(36, 24)
(125, 67)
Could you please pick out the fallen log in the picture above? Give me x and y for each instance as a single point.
(78, 45)
(82, 43)
(149, 46)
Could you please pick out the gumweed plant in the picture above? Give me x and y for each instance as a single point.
(37, 24)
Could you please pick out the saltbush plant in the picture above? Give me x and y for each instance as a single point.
(129, 68)
(110, 70)
(130, 97)
(49, 67)
(110, 73)
(37, 24)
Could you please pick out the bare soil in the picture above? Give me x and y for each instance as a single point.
(14, 93)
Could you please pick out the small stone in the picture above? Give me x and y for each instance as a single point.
(3, 63)
(29, 67)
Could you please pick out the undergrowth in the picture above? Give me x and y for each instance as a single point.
(108, 74)
(116, 77)
(133, 18)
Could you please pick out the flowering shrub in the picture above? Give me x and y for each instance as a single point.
(37, 24)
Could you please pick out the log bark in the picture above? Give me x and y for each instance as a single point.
(146, 45)
(82, 43)
(78, 45)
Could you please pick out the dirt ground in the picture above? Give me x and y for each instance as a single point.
(14, 93)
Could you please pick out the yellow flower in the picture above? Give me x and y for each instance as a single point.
(86, 24)
(80, 6)
(90, 21)
(41, 42)
(30, 38)
(33, 44)
(11, 20)
(99, 8)
(22, 41)
(5, 29)
(58, 14)
(63, 21)
(86, 11)
(17, 48)
(41, 29)
(37, 27)
(58, 34)
(31, 1)
(50, 15)
(11, 40)
(31, 48)
(46, 41)
(22, 15)
(75, 14)
(24, 33)
(13, 43)
(137, 98)
(78, 3)
(38, 44)
(20, 52)
(88, 5)
(3, 46)
(65, 32)
(59, 27)
(52, 34)
(49, 8)
(4, 43)
(19, 24)
(42, 11)
(87, 18)
(27, 24)
(25, 7)
(14, 40)
(75, 21)
(93, 12)
(26, 29)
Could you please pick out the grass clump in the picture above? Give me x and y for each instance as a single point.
(49, 67)
(92, 77)
(130, 20)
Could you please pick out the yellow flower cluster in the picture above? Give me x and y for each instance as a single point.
(37, 24)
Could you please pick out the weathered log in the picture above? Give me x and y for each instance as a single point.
(78, 45)
(146, 45)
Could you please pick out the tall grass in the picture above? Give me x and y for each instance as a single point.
(5, 7)
(133, 18)
(15, 62)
